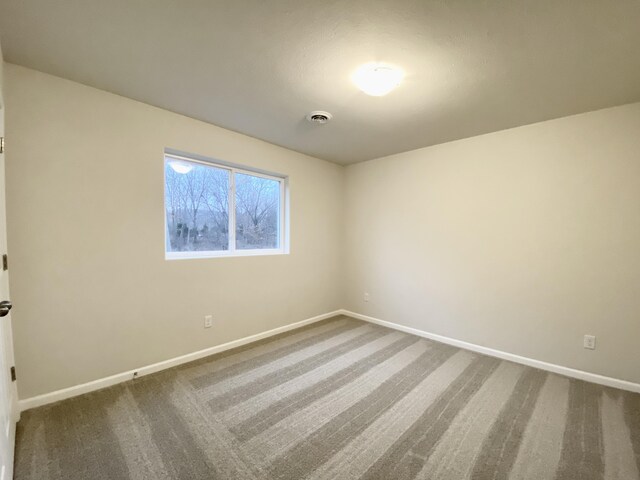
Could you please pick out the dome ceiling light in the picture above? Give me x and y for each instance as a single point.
(377, 79)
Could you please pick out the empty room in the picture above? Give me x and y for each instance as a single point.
(307, 240)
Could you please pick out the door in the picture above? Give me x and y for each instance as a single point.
(8, 393)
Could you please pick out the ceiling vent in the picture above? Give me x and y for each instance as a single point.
(319, 117)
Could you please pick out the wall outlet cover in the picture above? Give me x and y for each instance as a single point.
(590, 342)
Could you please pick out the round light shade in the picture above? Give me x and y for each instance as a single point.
(377, 79)
(180, 167)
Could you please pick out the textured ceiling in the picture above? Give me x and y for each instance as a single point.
(257, 67)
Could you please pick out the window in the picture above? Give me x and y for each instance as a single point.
(219, 210)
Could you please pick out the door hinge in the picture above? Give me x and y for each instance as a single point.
(5, 262)
(13, 374)
(1, 144)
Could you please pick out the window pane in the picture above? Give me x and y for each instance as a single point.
(197, 206)
(257, 212)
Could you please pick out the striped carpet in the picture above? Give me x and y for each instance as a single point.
(339, 399)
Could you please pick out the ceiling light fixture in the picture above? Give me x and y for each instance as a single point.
(180, 167)
(377, 79)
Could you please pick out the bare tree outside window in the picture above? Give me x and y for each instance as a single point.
(257, 207)
(197, 204)
(198, 201)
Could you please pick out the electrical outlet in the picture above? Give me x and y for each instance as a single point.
(590, 342)
(366, 297)
(208, 321)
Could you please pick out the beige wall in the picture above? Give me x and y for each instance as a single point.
(522, 240)
(93, 294)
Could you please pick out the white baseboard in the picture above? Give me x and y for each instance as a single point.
(551, 367)
(76, 390)
(57, 395)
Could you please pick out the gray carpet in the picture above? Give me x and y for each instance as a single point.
(339, 399)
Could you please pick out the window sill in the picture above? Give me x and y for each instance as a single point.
(222, 254)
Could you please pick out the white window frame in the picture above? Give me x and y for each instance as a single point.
(283, 217)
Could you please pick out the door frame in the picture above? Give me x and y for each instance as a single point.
(6, 331)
